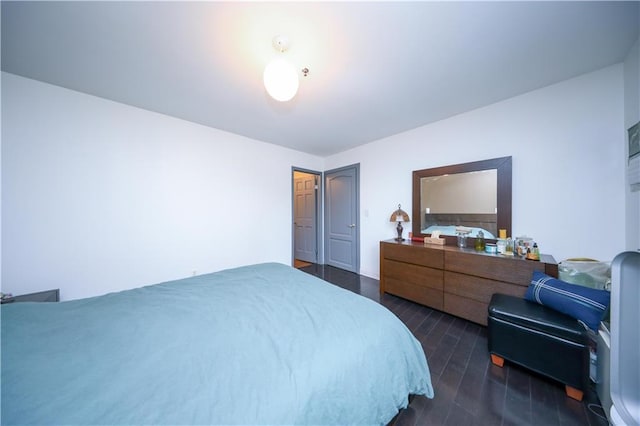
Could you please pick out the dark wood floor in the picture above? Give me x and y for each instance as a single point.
(469, 390)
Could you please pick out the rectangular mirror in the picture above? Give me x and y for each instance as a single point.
(475, 195)
(466, 199)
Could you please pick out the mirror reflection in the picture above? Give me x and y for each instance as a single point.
(460, 200)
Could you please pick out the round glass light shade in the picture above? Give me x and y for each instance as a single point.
(281, 80)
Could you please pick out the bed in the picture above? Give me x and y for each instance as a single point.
(446, 223)
(260, 344)
(453, 230)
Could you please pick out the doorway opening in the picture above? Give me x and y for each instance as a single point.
(307, 232)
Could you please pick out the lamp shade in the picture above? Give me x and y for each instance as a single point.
(399, 216)
(281, 80)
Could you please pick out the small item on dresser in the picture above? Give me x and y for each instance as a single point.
(533, 253)
(522, 245)
(434, 239)
(491, 248)
(501, 244)
(508, 250)
(502, 234)
(437, 241)
(417, 239)
(479, 246)
(462, 240)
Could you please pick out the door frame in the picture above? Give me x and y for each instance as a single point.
(355, 166)
(319, 216)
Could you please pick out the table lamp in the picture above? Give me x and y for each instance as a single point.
(399, 216)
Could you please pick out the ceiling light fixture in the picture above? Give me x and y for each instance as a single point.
(280, 76)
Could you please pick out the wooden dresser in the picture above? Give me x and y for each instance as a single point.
(454, 280)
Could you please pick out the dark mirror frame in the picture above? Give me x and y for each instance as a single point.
(502, 165)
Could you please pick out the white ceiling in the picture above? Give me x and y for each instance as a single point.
(376, 68)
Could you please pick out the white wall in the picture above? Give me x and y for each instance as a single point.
(98, 196)
(631, 117)
(568, 166)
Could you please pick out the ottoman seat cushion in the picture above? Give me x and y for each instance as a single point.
(540, 339)
(536, 317)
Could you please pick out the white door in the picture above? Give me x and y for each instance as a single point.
(305, 216)
(341, 218)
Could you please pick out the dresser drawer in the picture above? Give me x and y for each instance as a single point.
(468, 309)
(417, 293)
(493, 267)
(479, 289)
(414, 274)
(424, 256)
(468, 296)
(414, 282)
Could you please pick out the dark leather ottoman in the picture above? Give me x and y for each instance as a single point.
(540, 339)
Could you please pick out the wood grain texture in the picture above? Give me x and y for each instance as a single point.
(479, 289)
(415, 253)
(466, 308)
(458, 281)
(414, 274)
(494, 267)
(420, 294)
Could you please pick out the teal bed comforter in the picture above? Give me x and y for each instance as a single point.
(261, 344)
